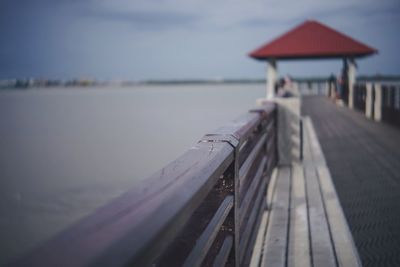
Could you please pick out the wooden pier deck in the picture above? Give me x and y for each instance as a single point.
(363, 157)
(304, 224)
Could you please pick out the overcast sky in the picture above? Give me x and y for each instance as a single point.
(180, 39)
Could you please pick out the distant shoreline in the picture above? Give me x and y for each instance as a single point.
(41, 83)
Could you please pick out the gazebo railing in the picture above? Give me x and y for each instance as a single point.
(391, 103)
(313, 86)
(204, 208)
(360, 94)
(379, 100)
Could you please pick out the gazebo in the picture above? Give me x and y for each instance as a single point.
(312, 40)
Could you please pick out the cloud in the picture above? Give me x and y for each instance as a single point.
(146, 20)
(226, 13)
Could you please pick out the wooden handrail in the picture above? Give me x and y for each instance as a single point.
(204, 208)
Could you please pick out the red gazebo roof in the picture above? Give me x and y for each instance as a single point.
(312, 39)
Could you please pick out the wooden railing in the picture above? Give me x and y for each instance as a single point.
(391, 103)
(379, 100)
(202, 209)
(313, 86)
(360, 95)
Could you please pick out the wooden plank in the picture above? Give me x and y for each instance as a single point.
(270, 126)
(299, 243)
(257, 249)
(271, 142)
(321, 246)
(258, 246)
(245, 261)
(246, 166)
(259, 206)
(244, 204)
(272, 187)
(346, 251)
(223, 253)
(307, 154)
(315, 148)
(274, 253)
(206, 239)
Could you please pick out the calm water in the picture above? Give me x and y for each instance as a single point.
(65, 152)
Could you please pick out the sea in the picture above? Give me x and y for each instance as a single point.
(67, 151)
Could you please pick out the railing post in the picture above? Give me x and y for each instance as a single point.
(262, 111)
(236, 205)
(271, 79)
(368, 101)
(301, 139)
(234, 177)
(350, 101)
(351, 80)
(328, 89)
(378, 102)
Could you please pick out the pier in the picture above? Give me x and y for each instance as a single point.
(308, 178)
(233, 199)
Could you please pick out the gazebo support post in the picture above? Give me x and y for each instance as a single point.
(351, 74)
(271, 79)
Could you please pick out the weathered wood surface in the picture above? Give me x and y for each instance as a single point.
(258, 246)
(255, 185)
(299, 247)
(223, 254)
(245, 168)
(305, 224)
(205, 241)
(252, 223)
(277, 230)
(321, 246)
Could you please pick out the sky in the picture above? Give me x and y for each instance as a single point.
(180, 39)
